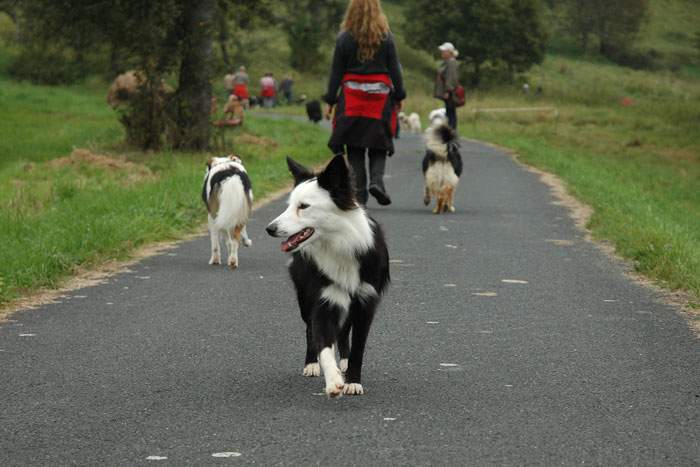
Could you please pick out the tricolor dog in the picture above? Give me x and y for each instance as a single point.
(228, 195)
(340, 268)
(442, 166)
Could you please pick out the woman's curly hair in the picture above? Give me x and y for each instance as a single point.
(367, 23)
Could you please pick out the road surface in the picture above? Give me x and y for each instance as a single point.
(505, 339)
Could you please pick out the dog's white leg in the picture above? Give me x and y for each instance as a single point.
(214, 235)
(246, 240)
(331, 372)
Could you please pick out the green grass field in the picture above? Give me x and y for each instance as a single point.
(60, 212)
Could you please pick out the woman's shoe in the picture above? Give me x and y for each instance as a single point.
(380, 195)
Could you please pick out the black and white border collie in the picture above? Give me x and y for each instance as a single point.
(340, 268)
(228, 194)
(442, 165)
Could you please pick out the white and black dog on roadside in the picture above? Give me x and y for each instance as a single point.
(228, 195)
(340, 268)
(442, 165)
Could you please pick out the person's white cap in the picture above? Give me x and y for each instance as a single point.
(449, 46)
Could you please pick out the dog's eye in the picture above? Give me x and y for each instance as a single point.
(303, 206)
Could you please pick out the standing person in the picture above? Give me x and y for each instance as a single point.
(268, 90)
(447, 80)
(366, 88)
(286, 88)
(240, 86)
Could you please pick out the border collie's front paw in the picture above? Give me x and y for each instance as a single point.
(215, 260)
(335, 384)
(233, 263)
(312, 369)
(247, 242)
(353, 389)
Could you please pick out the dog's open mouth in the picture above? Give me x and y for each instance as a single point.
(297, 239)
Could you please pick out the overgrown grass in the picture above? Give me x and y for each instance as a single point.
(60, 213)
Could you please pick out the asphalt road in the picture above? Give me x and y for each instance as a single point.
(505, 338)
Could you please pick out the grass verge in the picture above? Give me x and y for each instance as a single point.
(63, 209)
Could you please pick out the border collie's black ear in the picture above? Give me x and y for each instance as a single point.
(336, 179)
(298, 171)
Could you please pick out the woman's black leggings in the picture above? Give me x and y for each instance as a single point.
(377, 162)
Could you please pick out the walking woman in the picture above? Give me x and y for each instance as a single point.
(366, 88)
(447, 80)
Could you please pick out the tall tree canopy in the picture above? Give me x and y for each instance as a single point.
(308, 23)
(509, 32)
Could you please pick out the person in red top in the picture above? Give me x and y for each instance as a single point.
(240, 86)
(268, 90)
(366, 89)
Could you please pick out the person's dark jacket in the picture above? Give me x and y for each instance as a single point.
(345, 60)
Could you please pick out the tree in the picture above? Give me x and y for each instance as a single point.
(193, 97)
(307, 24)
(525, 38)
(614, 23)
(496, 31)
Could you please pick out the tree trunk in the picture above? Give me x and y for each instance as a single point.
(223, 39)
(193, 98)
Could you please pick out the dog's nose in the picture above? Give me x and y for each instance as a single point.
(271, 229)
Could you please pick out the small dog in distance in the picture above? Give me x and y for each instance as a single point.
(228, 196)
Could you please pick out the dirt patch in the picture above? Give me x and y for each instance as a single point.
(581, 214)
(79, 157)
(247, 138)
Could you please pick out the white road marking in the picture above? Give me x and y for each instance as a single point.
(110, 303)
(609, 301)
(449, 365)
(396, 261)
(485, 294)
(79, 296)
(450, 285)
(261, 277)
(432, 322)
(227, 454)
(389, 419)
(143, 277)
(28, 334)
(514, 281)
(451, 246)
(443, 228)
(156, 458)
(126, 288)
(485, 332)
(318, 393)
(509, 385)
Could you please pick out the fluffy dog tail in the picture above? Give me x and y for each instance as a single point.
(446, 134)
(234, 207)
